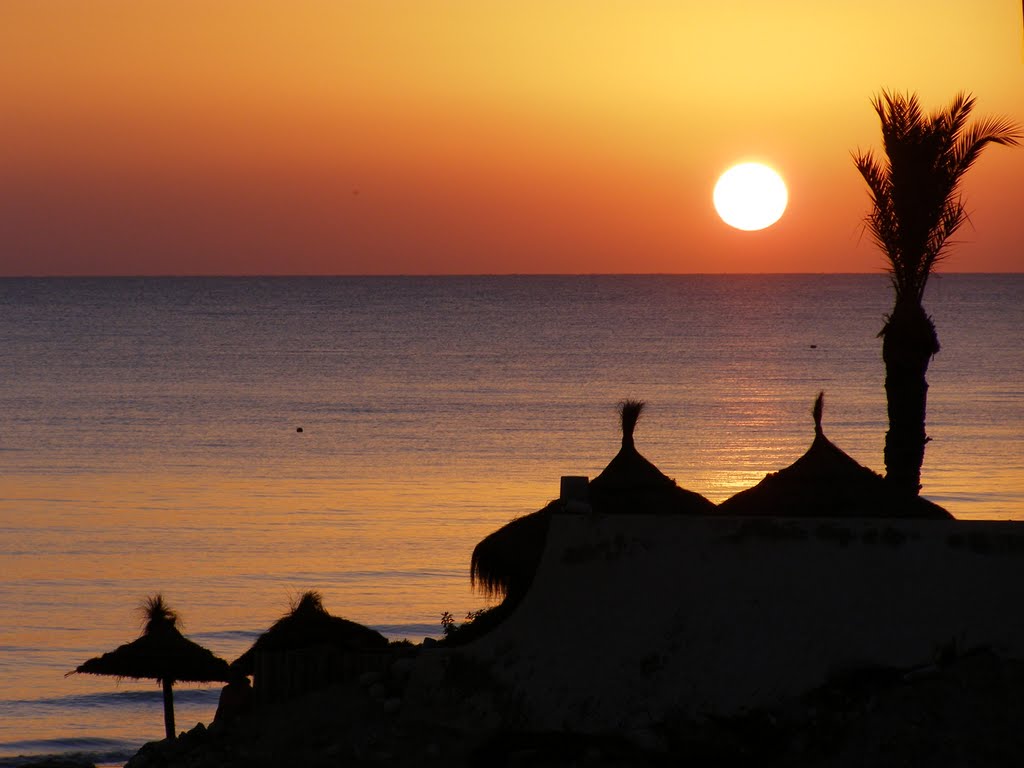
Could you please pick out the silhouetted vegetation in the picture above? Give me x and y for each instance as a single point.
(476, 624)
(916, 207)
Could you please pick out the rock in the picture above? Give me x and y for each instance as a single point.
(216, 728)
(148, 754)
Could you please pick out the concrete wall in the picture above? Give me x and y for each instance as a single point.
(631, 619)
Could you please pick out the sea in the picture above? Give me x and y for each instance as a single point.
(232, 442)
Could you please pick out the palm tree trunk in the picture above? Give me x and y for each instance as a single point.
(908, 344)
(169, 708)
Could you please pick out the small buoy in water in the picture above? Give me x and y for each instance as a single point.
(298, 429)
(814, 346)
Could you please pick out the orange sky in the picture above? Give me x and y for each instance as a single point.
(413, 136)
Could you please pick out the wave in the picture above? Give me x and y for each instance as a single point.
(390, 631)
(115, 699)
(410, 631)
(85, 750)
(227, 634)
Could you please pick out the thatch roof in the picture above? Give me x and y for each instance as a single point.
(503, 564)
(826, 482)
(632, 484)
(162, 653)
(307, 625)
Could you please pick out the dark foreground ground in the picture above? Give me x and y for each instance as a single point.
(967, 709)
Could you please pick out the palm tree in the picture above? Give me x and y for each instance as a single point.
(916, 206)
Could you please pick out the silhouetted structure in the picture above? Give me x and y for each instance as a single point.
(826, 482)
(631, 484)
(163, 654)
(916, 207)
(305, 649)
(503, 563)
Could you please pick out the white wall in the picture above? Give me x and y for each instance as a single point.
(631, 618)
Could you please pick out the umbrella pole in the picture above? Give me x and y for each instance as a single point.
(169, 708)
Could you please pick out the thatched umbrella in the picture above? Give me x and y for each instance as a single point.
(503, 563)
(826, 482)
(163, 654)
(308, 625)
(632, 484)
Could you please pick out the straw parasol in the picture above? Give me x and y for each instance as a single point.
(163, 654)
(631, 484)
(503, 563)
(307, 625)
(826, 482)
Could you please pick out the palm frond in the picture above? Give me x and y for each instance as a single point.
(976, 137)
(916, 204)
(950, 122)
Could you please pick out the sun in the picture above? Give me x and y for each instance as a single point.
(750, 196)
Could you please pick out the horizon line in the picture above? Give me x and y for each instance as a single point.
(274, 275)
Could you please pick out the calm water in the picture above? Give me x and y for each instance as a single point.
(148, 442)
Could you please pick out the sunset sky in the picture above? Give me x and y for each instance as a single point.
(470, 136)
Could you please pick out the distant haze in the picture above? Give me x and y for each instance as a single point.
(325, 137)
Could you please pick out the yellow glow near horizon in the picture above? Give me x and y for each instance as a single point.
(750, 196)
